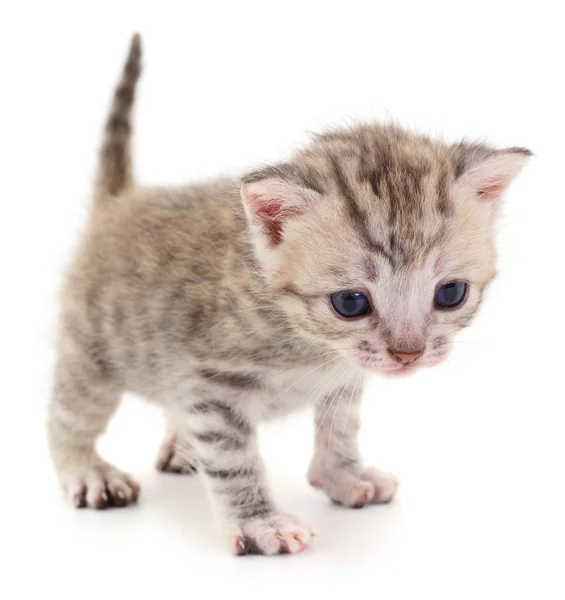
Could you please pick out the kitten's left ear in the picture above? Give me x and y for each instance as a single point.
(487, 173)
(273, 197)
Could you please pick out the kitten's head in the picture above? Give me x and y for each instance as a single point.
(379, 243)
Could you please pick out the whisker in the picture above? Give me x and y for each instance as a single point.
(349, 406)
(313, 358)
(449, 342)
(333, 398)
(322, 392)
(257, 308)
(344, 387)
(318, 384)
(322, 418)
(327, 380)
(358, 339)
(304, 376)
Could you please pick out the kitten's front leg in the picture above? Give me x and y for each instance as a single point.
(337, 467)
(225, 445)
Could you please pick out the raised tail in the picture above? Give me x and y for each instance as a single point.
(115, 170)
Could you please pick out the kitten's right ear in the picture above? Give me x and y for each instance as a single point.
(274, 196)
(486, 173)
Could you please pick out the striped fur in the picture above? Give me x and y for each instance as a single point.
(212, 300)
(115, 174)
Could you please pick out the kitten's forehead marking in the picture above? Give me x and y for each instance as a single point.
(370, 269)
(439, 264)
(357, 215)
(395, 193)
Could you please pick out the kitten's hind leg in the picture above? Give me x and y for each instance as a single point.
(176, 454)
(84, 398)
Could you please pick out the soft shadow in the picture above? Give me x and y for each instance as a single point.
(180, 502)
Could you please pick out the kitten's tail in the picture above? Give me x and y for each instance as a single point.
(114, 170)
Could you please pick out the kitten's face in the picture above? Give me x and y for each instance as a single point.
(383, 257)
(394, 317)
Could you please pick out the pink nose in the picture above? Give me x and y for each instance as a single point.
(406, 358)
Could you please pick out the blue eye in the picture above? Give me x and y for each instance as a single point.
(451, 294)
(350, 304)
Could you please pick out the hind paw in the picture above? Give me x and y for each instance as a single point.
(175, 457)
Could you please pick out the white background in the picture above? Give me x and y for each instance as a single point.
(477, 443)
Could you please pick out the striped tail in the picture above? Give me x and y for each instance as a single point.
(115, 171)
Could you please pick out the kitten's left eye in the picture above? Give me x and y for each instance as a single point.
(451, 295)
(350, 304)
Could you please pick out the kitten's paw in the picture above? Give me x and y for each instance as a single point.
(276, 534)
(100, 486)
(175, 457)
(384, 484)
(371, 486)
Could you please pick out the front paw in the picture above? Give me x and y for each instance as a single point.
(274, 534)
(98, 484)
(352, 488)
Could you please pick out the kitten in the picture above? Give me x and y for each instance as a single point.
(237, 301)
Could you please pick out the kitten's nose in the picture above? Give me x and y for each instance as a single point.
(406, 358)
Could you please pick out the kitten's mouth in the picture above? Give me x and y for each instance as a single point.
(399, 370)
(375, 364)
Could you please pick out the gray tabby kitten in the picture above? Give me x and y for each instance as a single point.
(237, 301)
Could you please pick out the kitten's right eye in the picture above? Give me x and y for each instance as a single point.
(350, 304)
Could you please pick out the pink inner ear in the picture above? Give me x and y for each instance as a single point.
(272, 201)
(492, 188)
(489, 179)
(272, 214)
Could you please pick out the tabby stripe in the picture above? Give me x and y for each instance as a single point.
(357, 217)
(229, 415)
(237, 380)
(254, 512)
(222, 438)
(230, 473)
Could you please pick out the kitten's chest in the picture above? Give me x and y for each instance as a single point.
(296, 388)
